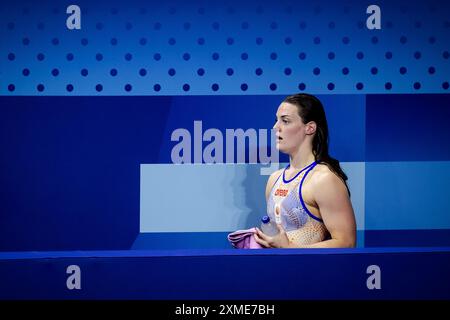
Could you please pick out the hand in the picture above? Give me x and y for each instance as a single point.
(280, 240)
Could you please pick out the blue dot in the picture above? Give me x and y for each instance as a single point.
(25, 41)
(445, 55)
(374, 40)
(11, 25)
(216, 26)
(302, 56)
(316, 71)
(113, 72)
(157, 56)
(99, 87)
(157, 26)
(40, 87)
(128, 87)
(172, 11)
(186, 87)
(273, 56)
(431, 70)
(142, 72)
(244, 56)
(69, 87)
(99, 26)
(244, 87)
(215, 56)
(259, 41)
(84, 72)
(40, 56)
(55, 72)
(26, 72)
(11, 56)
(288, 71)
(171, 72)
(41, 26)
(360, 25)
(11, 87)
(114, 11)
(201, 41)
(114, 41)
(345, 70)
(172, 41)
(359, 86)
(432, 40)
(360, 55)
(301, 86)
(445, 85)
(273, 25)
(143, 41)
(230, 41)
(259, 10)
(273, 86)
(84, 42)
(403, 39)
(374, 70)
(230, 71)
(403, 70)
(99, 57)
(259, 71)
(128, 57)
(69, 56)
(186, 26)
(331, 55)
(288, 40)
(302, 25)
(330, 86)
(317, 40)
(201, 11)
(55, 41)
(345, 40)
(331, 25)
(244, 25)
(215, 87)
(186, 56)
(389, 24)
(388, 55)
(128, 26)
(388, 85)
(201, 71)
(231, 11)
(157, 87)
(417, 24)
(417, 85)
(143, 11)
(417, 55)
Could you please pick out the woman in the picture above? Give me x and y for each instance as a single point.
(310, 198)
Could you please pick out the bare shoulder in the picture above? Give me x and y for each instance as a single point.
(325, 178)
(271, 181)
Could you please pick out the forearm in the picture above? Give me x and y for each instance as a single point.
(331, 243)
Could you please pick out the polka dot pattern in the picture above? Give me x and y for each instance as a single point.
(217, 49)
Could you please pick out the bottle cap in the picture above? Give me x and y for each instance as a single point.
(265, 219)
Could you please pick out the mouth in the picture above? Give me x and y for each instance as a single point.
(279, 138)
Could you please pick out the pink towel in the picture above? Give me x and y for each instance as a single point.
(244, 239)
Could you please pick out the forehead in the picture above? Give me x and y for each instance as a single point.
(287, 109)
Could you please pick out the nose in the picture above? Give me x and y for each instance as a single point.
(275, 126)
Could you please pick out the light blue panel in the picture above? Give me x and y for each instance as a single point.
(215, 198)
(355, 172)
(407, 195)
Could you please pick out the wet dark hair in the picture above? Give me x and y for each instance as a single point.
(311, 109)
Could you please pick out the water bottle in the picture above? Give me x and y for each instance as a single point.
(268, 227)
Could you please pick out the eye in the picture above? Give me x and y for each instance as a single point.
(285, 121)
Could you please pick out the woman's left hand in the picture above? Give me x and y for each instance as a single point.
(280, 240)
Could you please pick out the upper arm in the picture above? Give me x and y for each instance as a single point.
(335, 208)
(271, 181)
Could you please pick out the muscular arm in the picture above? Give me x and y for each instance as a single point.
(337, 213)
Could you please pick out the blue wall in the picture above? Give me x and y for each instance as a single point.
(80, 110)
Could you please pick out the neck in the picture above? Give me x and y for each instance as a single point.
(302, 157)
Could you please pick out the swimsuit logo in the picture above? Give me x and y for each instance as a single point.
(281, 192)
